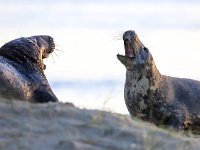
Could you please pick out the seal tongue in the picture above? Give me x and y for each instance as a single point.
(128, 49)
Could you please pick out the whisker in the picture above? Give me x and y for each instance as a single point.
(118, 36)
(58, 50)
(58, 45)
(55, 53)
(53, 58)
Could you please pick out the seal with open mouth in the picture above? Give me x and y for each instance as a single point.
(163, 100)
(21, 69)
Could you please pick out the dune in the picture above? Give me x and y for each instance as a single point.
(63, 126)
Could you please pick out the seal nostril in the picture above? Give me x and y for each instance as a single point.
(127, 42)
(51, 39)
(52, 45)
(145, 49)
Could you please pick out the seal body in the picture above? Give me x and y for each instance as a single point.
(163, 100)
(22, 70)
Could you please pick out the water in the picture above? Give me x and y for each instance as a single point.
(88, 33)
(94, 94)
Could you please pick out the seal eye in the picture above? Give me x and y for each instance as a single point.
(146, 49)
(33, 42)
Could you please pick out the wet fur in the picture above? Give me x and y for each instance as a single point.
(21, 71)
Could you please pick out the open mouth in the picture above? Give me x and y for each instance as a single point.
(50, 49)
(129, 51)
(45, 54)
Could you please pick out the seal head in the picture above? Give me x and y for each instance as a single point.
(29, 51)
(21, 69)
(136, 54)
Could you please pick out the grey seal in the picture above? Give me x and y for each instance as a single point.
(153, 97)
(22, 69)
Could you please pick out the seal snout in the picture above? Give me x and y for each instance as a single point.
(129, 35)
(52, 45)
(49, 46)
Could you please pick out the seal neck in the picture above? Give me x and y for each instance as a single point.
(153, 74)
(148, 73)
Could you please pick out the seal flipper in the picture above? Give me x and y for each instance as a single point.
(41, 96)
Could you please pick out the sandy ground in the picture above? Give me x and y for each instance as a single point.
(60, 126)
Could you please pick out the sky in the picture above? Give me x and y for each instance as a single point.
(88, 36)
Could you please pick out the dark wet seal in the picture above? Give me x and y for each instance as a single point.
(22, 69)
(163, 100)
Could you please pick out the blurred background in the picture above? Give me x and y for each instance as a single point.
(88, 35)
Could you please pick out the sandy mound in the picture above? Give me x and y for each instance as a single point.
(58, 126)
